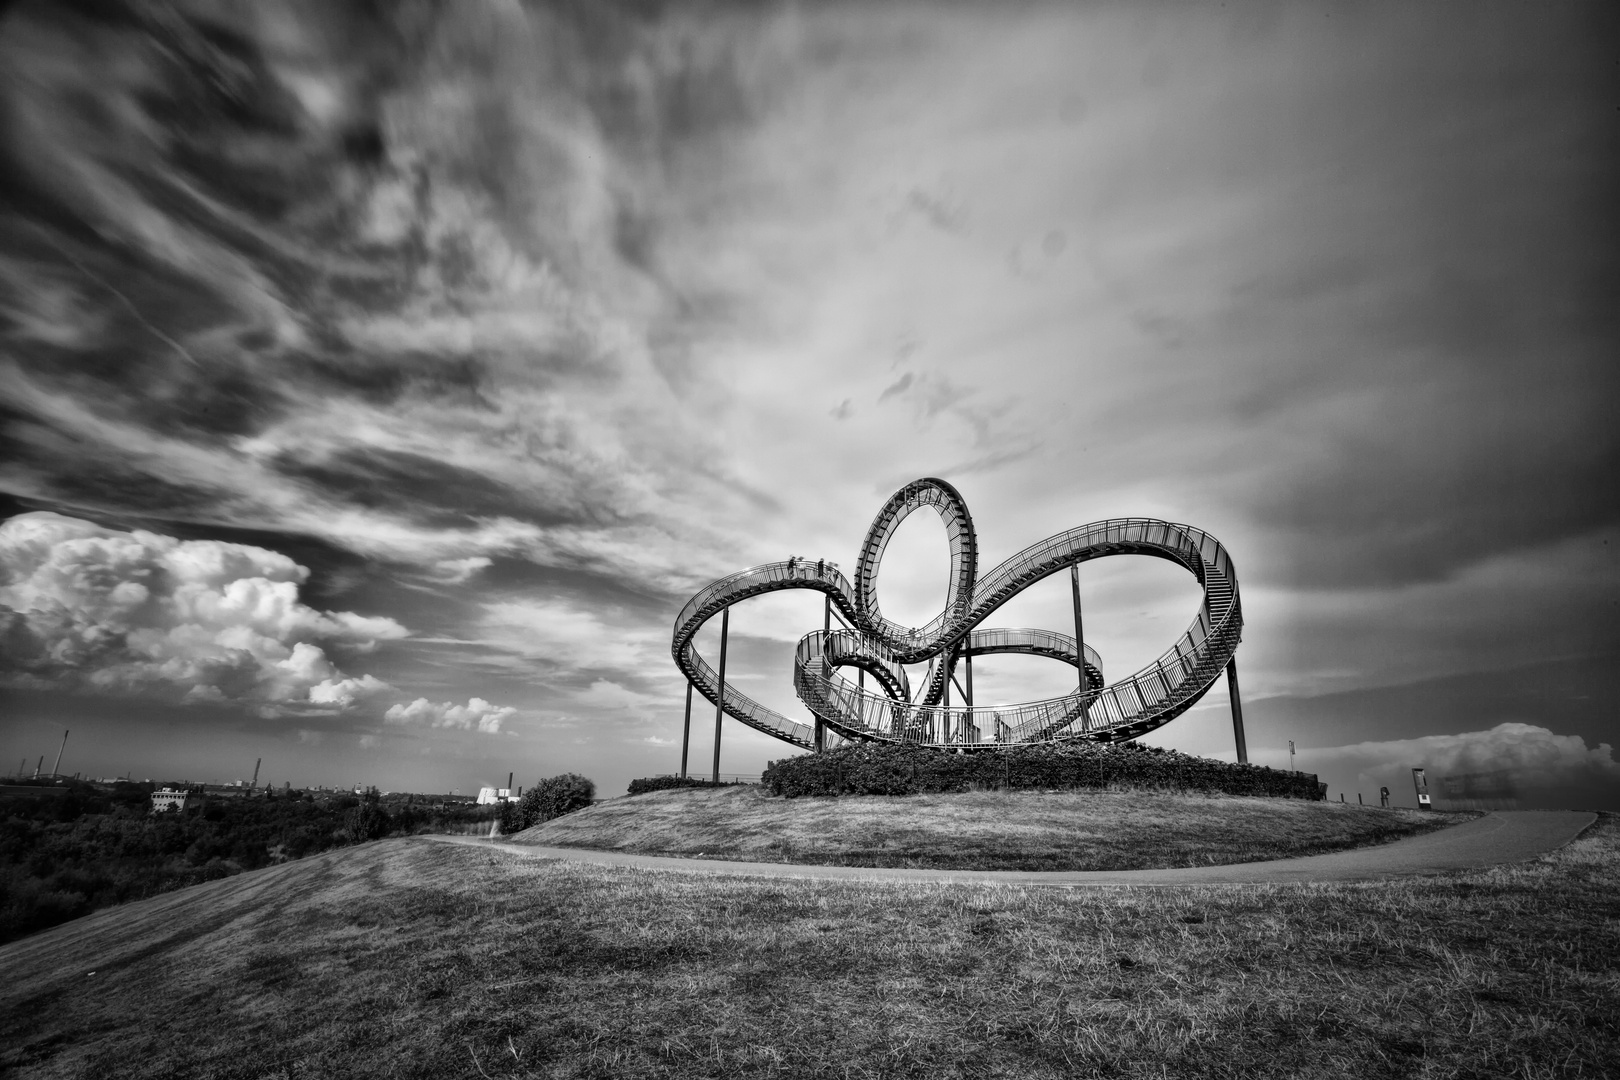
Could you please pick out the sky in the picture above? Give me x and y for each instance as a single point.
(378, 381)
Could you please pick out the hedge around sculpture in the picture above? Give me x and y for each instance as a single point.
(665, 783)
(890, 769)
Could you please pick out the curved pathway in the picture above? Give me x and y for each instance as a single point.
(1503, 836)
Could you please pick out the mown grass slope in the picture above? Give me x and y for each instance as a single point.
(989, 830)
(407, 958)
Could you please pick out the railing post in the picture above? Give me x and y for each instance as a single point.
(720, 698)
(686, 731)
(1237, 710)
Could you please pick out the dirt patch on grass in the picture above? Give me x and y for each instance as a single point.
(991, 830)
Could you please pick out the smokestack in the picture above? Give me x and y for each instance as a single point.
(256, 765)
(509, 782)
(58, 766)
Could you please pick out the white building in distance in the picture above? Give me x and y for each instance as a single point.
(165, 800)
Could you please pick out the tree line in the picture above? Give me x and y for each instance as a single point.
(66, 854)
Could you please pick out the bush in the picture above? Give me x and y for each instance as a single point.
(891, 769)
(664, 783)
(554, 797)
(368, 820)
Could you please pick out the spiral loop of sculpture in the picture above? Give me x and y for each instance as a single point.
(1125, 709)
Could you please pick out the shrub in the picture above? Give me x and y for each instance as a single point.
(367, 820)
(665, 783)
(554, 797)
(899, 769)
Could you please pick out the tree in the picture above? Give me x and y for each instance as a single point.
(368, 820)
(554, 797)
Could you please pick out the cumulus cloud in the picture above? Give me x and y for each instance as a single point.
(89, 607)
(1512, 761)
(476, 715)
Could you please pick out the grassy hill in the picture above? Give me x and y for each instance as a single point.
(407, 958)
(990, 830)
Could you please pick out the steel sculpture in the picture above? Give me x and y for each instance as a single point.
(876, 646)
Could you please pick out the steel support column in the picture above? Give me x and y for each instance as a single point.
(1237, 710)
(826, 660)
(1080, 645)
(720, 698)
(1079, 631)
(686, 731)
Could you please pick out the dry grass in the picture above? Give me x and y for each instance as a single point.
(410, 959)
(990, 830)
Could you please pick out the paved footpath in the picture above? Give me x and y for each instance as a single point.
(1504, 836)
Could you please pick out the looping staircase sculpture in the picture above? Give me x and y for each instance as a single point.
(1125, 709)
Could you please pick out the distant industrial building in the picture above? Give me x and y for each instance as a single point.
(488, 796)
(167, 800)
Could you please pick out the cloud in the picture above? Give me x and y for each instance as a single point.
(89, 607)
(1510, 761)
(467, 306)
(459, 571)
(477, 715)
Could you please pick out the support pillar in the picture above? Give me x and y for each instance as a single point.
(720, 698)
(686, 729)
(1079, 628)
(1080, 644)
(826, 666)
(1237, 710)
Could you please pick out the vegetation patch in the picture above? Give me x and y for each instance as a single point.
(985, 830)
(552, 798)
(79, 847)
(668, 783)
(414, 960)
(901, 769)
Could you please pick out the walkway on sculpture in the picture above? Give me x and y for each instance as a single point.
(1500, 837)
